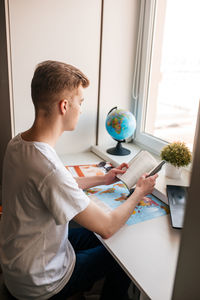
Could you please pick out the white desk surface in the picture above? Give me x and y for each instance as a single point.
(147, 251)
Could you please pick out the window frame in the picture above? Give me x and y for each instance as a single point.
(142, 76)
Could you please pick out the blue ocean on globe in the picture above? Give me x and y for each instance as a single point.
(120, 124)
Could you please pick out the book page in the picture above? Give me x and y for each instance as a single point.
(142, 163)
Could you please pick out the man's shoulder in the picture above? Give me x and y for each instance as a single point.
(14, 140)
(33, 159)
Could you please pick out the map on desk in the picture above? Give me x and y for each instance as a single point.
(115, 194)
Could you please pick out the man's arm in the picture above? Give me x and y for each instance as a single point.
(106, 224)
(90, 181)
(110, 177)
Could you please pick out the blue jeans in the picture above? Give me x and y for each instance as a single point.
(94, 262)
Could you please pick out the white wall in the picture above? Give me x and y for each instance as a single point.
(69, 30)
(64, 30)
(120, 29)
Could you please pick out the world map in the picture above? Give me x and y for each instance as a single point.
(116, 122)
(115, 194)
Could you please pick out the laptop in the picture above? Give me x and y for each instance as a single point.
(177, 197)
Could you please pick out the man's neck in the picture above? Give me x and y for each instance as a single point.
(43, 131)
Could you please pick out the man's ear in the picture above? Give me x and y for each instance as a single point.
(63, 106)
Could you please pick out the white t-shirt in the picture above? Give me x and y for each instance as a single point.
(40, 197)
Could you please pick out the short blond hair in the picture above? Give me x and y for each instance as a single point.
(51, 79)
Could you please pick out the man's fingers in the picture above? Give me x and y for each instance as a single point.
(119, 171)
(123, 165)
(155, 176)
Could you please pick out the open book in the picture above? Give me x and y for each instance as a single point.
(142, 163)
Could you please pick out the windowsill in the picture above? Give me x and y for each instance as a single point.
(162, 181)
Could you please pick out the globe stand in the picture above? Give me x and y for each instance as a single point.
(118, 149)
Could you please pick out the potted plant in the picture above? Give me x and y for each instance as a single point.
(176, 155)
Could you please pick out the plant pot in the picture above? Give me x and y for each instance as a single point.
(172, 171)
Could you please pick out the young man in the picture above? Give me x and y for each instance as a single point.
(40, 259)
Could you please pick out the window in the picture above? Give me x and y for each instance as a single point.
(167, 78)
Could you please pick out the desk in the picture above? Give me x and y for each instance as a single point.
(147, 251)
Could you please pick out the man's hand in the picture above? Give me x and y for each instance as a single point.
(110, 177)
(145, 185)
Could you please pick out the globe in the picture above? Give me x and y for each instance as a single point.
(120, 124)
